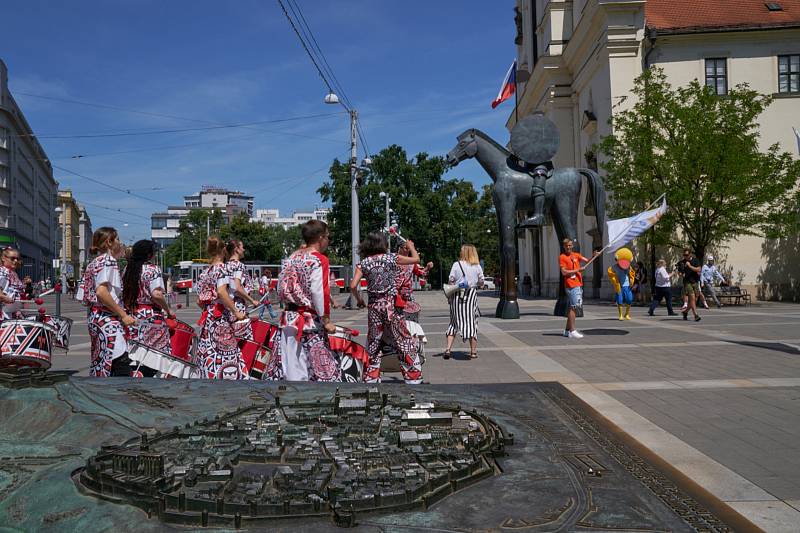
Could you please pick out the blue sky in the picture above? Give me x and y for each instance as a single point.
(418, 72)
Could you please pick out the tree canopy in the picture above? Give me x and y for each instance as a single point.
(702, 150)
(437, 214)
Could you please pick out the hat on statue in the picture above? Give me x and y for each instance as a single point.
(535, 139)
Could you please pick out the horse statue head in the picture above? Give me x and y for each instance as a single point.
(466, 148)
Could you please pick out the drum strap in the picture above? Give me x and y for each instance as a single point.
(216, 312)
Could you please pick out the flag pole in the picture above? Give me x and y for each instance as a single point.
(607, 246)
(516, 95)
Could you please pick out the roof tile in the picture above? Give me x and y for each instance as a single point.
(697, 15)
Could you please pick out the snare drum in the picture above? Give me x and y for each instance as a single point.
(164, 364)
(26, 343)
(351, 355)
(182, 340)
(263, 332)
(255, 357)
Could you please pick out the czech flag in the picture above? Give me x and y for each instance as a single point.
(509, 86)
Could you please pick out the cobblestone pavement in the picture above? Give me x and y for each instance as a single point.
(718, 399)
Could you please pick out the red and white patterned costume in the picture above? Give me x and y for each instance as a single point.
(153, 335)
(218, 348)
(11, 286)
(381, 273)
(235, 269)
(302, 351)
(106, 332)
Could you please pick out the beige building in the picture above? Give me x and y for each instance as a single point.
(583, 57)
(69, 222)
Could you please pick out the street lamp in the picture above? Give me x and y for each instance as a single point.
(59, 210)
(388, 199)
(333, 98)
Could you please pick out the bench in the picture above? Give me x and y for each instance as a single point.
(734, 295)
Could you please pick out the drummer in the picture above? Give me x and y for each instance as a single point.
(303, 352)
(143, 297)
(218, 349)
(11, 287)
(102, 287)
(240, 283)
(404, 300)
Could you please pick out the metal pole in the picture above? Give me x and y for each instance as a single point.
(388, 222)
(354, 229)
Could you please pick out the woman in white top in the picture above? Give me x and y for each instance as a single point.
(663, 288)
(102, 291)
(468, 274)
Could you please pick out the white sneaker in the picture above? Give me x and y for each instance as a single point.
(575, 334)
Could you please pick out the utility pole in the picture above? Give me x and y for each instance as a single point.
(354, 229)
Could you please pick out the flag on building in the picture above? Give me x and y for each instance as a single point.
(509, 86)
(797, 136)
(624, 230)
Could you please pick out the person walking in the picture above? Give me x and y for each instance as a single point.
(689, 266)
(380, 269)
(218, 348)
(144, 298)
(641, 279)
(663, 288)
(708, 274)
(572, 272)
(108, 320)
(467, 273)
(264, 289)
(527, 284)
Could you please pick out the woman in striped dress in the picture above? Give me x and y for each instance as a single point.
(468, 275)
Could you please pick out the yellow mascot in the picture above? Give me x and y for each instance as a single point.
(622, 275)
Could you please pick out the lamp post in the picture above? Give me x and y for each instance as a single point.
(59, 210)
(332, 99)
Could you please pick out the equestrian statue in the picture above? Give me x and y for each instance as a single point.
(525, 180)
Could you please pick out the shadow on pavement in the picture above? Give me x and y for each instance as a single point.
(774, 346)
(600, 331)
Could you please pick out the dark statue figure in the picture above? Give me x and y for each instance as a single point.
(526, 181)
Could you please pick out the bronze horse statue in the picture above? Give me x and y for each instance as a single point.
(512, 193)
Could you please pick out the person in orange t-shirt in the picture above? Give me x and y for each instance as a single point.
(571, 269)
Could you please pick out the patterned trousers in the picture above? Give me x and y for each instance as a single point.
(382, 316)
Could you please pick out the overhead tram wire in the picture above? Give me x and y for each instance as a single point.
(117, 210)
(114, 187)
(182, 130)
(306, 29)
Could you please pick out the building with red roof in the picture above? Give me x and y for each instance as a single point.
(578, 60)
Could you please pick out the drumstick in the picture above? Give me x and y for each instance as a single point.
(392, 230)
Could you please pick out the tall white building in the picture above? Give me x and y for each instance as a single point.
(164, 225)
(583, 57)
(27, 189)
(272, 217)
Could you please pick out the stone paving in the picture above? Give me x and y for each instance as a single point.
(718, 399)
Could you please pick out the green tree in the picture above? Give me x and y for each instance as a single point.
(438, 214)
(192, 235)
(702, 151)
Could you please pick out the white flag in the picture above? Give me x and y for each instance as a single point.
(624, 230)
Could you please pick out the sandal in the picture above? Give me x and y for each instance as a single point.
(473, 355)
(446, 354)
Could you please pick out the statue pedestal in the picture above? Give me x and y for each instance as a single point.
(508, 309)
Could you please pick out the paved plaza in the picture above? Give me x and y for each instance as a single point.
(718, 399)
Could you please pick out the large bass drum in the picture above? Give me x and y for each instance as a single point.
(352, 356)
(26, 343)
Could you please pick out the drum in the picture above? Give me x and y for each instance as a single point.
(263, 331)
(61, 324)
(182, 339)
(352, 356)
(164, 364)
(26, 343)
(255, 357)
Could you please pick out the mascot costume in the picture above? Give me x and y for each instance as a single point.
(621, 275)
